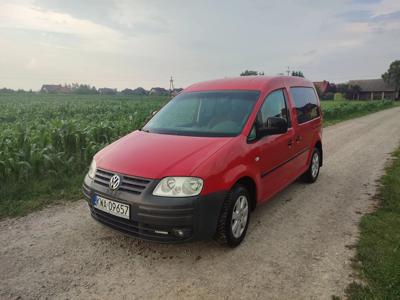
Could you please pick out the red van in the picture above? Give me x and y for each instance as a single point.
(199, 167)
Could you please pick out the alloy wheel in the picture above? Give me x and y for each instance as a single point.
(239, 216)
(315, 165)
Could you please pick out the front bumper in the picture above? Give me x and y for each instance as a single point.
(155, 218)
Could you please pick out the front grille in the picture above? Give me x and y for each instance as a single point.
(128, 184)
(137, 229)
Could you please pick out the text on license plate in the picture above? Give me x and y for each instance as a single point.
(112, 207)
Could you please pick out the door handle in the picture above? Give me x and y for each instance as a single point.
(290, 143)
(298, 139)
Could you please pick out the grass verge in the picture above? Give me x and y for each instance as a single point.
(378, 249)
(338, 111)
(19, 200)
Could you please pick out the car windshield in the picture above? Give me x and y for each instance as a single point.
(217, 113)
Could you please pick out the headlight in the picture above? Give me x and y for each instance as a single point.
(92, 169)
(179, 187)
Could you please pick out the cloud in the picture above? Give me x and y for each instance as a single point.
(32, 64)
(386, 7)
(27, 17)
(356, 16)
(127, 17)
(366, 1)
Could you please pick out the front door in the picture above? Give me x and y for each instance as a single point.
(275, 151)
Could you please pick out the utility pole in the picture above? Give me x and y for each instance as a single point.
(288, 71)
(171, 85)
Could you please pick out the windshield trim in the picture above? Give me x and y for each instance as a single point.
(191, 133)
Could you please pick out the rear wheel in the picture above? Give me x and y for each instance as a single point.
(312, 173)
(234, 218)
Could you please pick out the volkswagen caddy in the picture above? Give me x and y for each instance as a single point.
(202, 164)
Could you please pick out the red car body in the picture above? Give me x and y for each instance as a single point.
(264, 166)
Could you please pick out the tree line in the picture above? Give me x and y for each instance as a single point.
(86, 89)
(349, 91)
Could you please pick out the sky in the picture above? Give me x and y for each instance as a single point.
(126, 44)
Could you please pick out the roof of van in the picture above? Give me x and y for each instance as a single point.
(247, 83)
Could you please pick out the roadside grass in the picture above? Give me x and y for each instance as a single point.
(19, 200)
(378, 249)
(337, 111)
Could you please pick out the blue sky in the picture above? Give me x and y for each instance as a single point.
(142, 43)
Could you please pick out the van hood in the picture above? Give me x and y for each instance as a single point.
(152, 155)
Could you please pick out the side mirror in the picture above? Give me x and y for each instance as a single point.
(272, 126)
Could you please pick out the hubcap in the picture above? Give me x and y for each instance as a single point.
(239, 216)
(315, 165)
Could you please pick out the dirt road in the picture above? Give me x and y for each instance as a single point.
(298, 245)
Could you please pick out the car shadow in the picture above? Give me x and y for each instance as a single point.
(197, 250)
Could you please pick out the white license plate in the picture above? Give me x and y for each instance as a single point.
(112, 207)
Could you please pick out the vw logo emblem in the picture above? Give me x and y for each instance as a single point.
(115, 181)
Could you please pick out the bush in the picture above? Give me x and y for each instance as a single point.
(328, 96)
(344, 109)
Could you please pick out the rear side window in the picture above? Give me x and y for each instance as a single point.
(306, 103)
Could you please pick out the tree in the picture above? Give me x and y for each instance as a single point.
(328, 96)
(251, 73)
(352, 91)
(298, 73)
(127, 92)
(332, 88)
(83, 89)
(318, 90)
(342, 88)
(6, 90)
(392, 75)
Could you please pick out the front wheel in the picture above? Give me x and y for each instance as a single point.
(234, 217)
(312, 173)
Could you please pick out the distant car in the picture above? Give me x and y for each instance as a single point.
(199, 167)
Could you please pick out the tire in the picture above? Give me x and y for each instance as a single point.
(238, 201)
(311, 175)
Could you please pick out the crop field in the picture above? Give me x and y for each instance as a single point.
(47, 141)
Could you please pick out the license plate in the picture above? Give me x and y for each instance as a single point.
(112, 207)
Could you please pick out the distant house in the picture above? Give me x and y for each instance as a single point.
(176, 91)
(65, 89)
(137, 92)
(158, 91)
(51, 88)
(107, 91)
(322, 86)
(127, 92)
(371, 89)
(140, 91)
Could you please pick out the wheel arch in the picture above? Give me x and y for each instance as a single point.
(251, 187)
(318, 145)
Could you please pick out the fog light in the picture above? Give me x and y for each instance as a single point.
(161, 232)
(181, 232)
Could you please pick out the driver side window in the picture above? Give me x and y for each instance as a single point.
(274, 106)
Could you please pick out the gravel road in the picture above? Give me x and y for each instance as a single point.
(298, 246)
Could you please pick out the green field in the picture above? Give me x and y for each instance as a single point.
(337, 111)
(47, 140)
